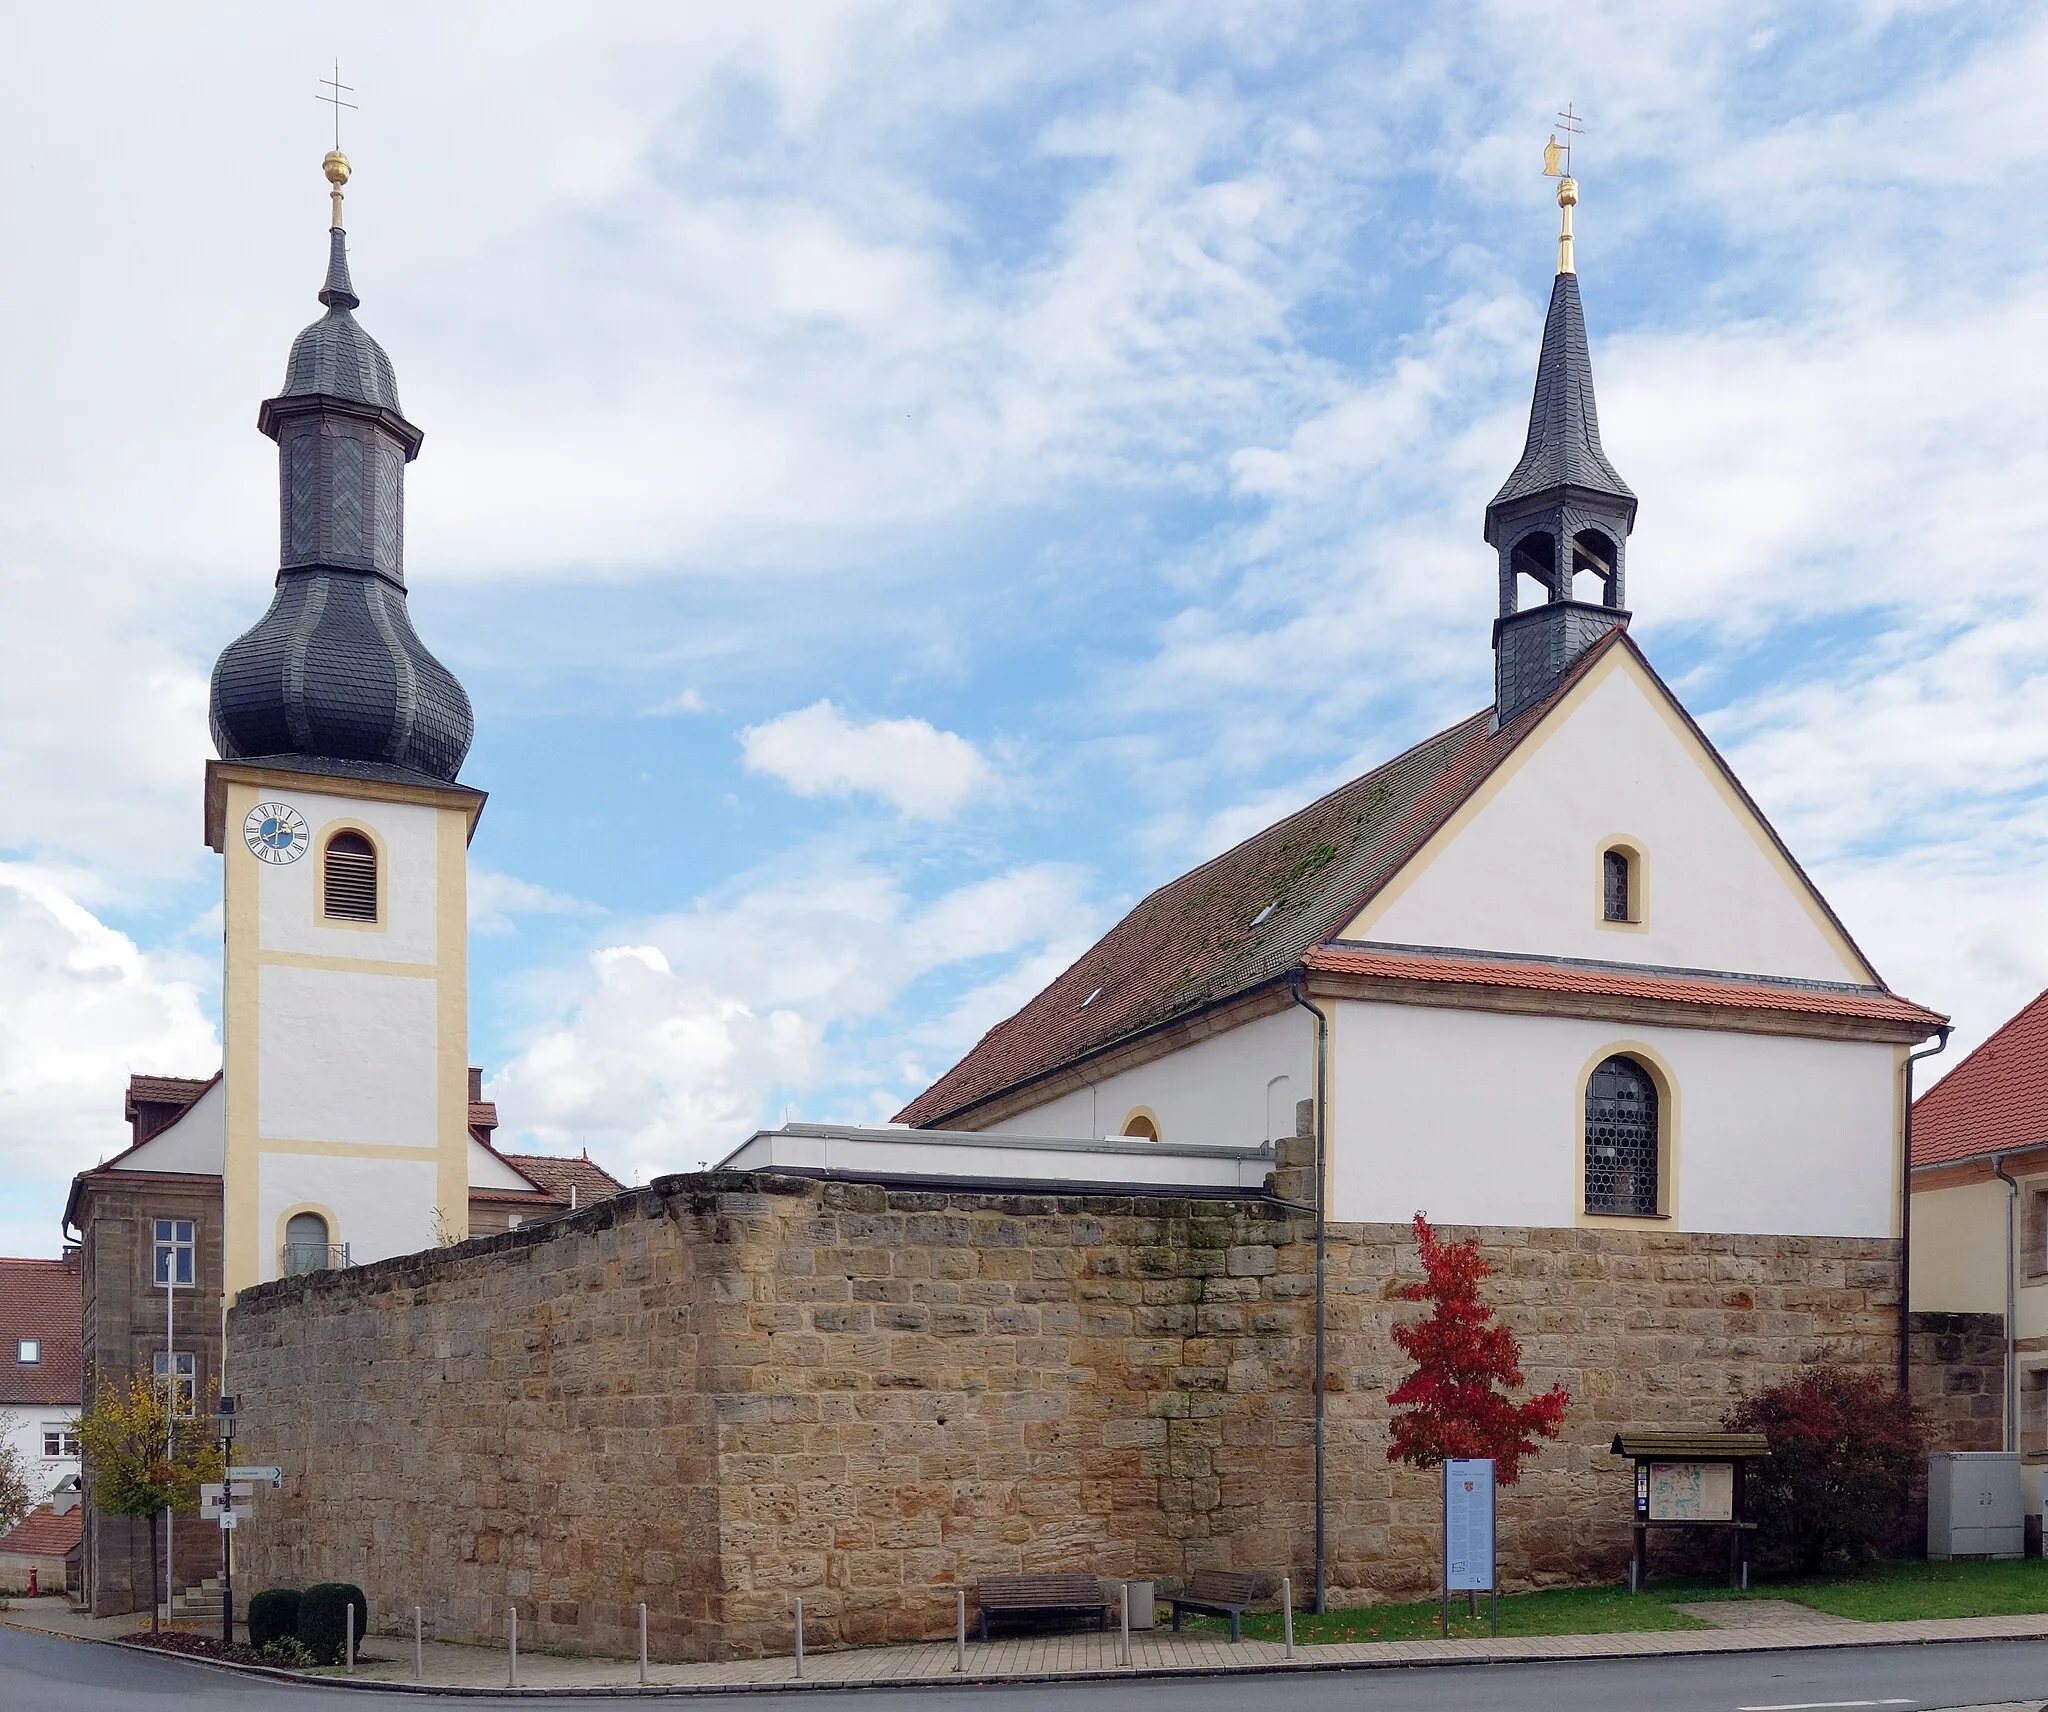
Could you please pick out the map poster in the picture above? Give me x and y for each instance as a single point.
(1468, 1526)
(1692, 1491)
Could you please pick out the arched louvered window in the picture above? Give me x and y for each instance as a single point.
(350, 879)
(1621, 1139)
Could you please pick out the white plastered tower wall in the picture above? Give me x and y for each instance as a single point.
(346, 1044)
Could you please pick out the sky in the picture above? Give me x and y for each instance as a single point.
(902, 480)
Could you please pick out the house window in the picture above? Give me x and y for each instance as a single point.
(349, 888)
(1617, 886)
(173, 1252)
(29, 1351)
(2034, 1411)
(2034, 1244)
(1621, 1140)
(59, 1440)
(178, 1369)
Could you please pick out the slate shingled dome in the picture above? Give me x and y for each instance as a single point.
(333, 672)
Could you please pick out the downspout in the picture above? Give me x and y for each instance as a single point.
(1906, 1214)
(2012, 1197)
(1322, 1247)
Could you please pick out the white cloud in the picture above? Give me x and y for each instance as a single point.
(81, 1009)
(817, 751)
(689, 701)
(494, 899)
(789, 995)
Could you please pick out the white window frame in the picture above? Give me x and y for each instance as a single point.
(28, 1352)
(175, 1256)
(185, 1400)
(66, 1435)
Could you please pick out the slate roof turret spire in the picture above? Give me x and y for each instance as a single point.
(333, 674)
(1564, 509)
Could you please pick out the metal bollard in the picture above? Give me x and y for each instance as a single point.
(799, 1637)
(643, 1643)
(348, 1629)
(1287, 1615)
(419, 1647)
(1123, 1612)
(960, 1630)
(512, 1643)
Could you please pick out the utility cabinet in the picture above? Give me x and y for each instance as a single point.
(1973, 1504)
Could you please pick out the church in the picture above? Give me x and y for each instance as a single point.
(1116, 1292)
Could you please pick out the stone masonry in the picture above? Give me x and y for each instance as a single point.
(722, 1391)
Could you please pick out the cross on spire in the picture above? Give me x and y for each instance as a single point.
(335, 101)
(1568, 122)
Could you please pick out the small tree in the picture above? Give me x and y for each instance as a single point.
(17, 1495)
(1456, 1403)
(145, 1455)
(1845, 1450)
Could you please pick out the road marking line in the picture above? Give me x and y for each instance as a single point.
(1825, 1705)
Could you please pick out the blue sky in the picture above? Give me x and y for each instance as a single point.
(901, 480)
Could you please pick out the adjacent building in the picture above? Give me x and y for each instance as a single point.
(39, 1366)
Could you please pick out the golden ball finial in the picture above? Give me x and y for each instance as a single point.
(335, 166)
(1567, 192)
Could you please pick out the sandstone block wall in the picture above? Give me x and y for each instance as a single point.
(723, 1391)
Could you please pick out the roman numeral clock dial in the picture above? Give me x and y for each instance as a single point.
(275, 832)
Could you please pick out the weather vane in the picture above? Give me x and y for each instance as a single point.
(1557, 164)
(335, 166)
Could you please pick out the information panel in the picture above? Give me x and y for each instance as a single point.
(1468, 1525)
(1691, 1491)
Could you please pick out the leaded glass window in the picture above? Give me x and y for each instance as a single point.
(1615, 887)
(1621, 1139)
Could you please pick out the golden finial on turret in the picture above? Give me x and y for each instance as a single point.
(335, 166)
(1557, 164)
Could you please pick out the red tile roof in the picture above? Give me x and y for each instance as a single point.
(1246, 918)
(44, 1533)
(1706, 991)
(556, 1175)
(1994, 1101)
(41, 1299)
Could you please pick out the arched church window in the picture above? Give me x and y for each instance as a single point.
(1141, 1126)
(350, 880)
(1621, 1139)
(306, 1247)
(1617, 886)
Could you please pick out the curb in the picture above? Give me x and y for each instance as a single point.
(1004, 1679)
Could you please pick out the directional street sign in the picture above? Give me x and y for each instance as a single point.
(269, 1472)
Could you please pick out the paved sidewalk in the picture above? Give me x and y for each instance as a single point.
(389, 1658)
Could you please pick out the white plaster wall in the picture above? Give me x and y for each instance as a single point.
(1959, 1250)
(1477, 1118)
(289, 910)
(197, 1142)
(380, 1207)
(488, 1171)
(25, 1423)
(1524, 874)
(346, 1057)
(1213, 1093)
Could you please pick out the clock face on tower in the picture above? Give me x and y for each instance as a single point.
(275, 832)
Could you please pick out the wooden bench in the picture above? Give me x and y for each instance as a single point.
(1040, 1596)
(1216, 1593)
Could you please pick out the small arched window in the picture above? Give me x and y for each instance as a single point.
(350, 881)
(1621, 1139)
(305, 1244)
(1141, 1126)
(1617, 886)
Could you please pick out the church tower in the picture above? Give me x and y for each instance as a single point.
(344, 838)
(1563, 512)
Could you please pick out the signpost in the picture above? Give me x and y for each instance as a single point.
(268, 1473)
(1469, 1533)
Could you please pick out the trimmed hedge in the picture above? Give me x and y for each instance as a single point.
(273, 1614)
(321, 1620)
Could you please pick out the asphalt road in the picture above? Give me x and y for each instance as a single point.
(42, 1673)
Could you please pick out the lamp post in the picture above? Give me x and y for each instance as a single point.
(227, 1521)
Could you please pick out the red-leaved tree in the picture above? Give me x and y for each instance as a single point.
(1456, 1403)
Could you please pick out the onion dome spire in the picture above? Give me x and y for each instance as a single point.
(1564, 508)
(333, 672)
